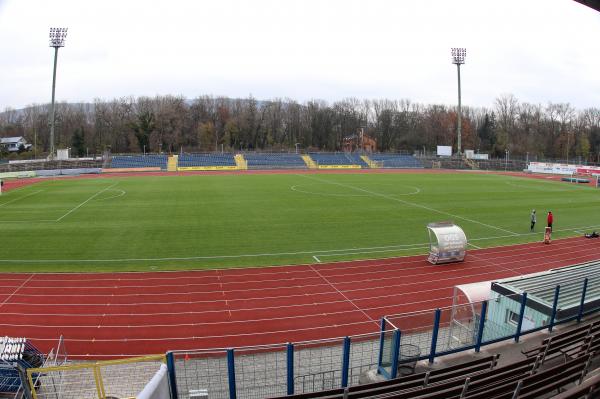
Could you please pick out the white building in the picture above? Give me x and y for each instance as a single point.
(13, 144)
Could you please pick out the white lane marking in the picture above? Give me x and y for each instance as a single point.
(315, 258)
(17, 289)
(344, 295)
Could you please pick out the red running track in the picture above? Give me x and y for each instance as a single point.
(115, 314)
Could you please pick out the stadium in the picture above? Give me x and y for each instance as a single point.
(297, 272)
(138, 306)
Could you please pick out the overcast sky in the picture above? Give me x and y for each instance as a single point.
(538, 50)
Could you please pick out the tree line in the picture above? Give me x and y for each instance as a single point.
(209, 123)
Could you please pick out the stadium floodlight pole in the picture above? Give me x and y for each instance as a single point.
(57, 40)
(458, 58)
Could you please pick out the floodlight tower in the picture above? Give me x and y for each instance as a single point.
(458, 58)
(57, 40)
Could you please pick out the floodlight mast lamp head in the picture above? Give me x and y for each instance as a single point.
(58, 36)
(458, 55)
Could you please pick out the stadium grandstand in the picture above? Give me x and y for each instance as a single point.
(139, 161)
(338, 159)
(274, 161)
(208, 159)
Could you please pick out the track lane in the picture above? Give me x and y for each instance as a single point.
(115, 314)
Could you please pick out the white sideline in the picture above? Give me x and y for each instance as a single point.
(321, 253)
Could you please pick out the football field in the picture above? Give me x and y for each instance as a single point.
(206, 221)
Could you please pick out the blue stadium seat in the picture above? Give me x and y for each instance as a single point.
(191, 160)
(139, 161)
(399, 161)
(338, 158)
(275, 161)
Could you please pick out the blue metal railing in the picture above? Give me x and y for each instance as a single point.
(437, 339)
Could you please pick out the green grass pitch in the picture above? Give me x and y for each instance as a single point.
(208, 221)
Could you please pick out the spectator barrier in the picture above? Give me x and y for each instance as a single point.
(113, 378)
(312, 366)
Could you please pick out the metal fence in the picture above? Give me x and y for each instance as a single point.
(274, 370)
(312, 366)
(472, 325)
(113, 378)
(277, 370)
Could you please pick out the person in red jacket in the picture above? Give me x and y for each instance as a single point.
(550, 219)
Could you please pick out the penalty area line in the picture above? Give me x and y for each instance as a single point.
(85, 202)
(20, 198)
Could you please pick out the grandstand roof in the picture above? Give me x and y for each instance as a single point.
(540, 288)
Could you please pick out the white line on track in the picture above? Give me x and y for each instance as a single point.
(86, 201)
(507, 257)
(15, 291)
(508, 260)
(378, 265)
(202, 312)
(376, 269)
(212, 323)
(494, 263)
(252, 334)
(382, 280)
(386, 196)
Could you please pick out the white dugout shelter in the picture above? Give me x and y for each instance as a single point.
(447, 243)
